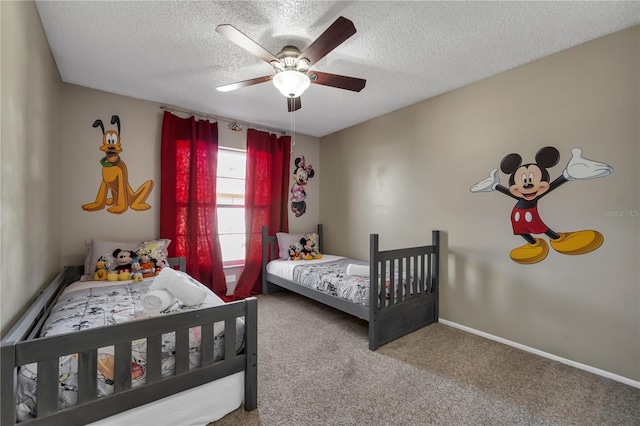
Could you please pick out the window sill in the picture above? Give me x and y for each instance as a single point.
(239, 265)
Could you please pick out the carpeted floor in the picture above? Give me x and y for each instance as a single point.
(315, 368)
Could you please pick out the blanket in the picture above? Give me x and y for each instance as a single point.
(95, 304)
(333, 278)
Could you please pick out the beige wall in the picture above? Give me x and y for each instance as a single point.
(408, 172)
(30, 159)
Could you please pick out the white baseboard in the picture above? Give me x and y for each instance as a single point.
(616, 377)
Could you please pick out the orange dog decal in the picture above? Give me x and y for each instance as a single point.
(115, 177)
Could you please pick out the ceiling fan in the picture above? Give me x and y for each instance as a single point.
(292, 67)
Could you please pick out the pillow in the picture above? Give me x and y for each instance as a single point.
(313, 236)
(285, 240)
(310, 245)
(156, 249)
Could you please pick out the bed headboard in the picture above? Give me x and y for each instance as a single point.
(179, 263)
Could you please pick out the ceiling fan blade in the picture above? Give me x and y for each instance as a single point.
(333, 36)
(245, 83)
(294, 104)
(340, 81)
(242, 40)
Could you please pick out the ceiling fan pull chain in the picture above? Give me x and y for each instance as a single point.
(293, 130)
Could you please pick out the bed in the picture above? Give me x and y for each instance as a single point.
(205, 380)
(397, 295)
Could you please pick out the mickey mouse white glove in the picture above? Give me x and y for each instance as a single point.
(583, 168)
(487, 185)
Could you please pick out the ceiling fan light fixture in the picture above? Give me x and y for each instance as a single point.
(291, 83)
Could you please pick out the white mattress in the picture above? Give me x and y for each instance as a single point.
(198, 406)
(284, 268)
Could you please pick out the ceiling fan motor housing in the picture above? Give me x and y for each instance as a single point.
(290, 60)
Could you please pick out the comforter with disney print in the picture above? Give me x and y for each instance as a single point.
(332, 278)
(86, 305)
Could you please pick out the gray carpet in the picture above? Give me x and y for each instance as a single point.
(315, 368)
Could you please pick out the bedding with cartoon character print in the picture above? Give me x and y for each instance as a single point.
(90, 304)
(331, 275)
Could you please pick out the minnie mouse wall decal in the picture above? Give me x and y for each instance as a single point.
(528, 183)
(301, 175)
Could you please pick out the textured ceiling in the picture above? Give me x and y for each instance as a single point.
(169, 52)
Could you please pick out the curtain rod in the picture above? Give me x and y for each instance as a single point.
(216, 117)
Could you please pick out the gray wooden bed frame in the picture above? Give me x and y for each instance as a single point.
(22, 346)
(389, 318)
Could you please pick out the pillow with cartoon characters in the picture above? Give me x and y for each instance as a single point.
(117, 254)
(310, 246)
(286, 240)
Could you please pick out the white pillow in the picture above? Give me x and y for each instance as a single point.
(284, 242)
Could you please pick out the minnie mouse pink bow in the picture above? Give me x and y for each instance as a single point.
(302, 166)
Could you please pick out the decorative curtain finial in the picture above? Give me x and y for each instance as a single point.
(234, 126)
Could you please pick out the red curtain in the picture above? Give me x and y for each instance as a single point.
(265, 202)
(188, 161)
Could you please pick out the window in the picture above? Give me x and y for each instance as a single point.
(230, 205)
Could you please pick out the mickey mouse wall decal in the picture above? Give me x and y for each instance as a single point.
(115, 177)
(301, 175)
(528, 183)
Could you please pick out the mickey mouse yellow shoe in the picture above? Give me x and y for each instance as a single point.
(578, 242)
(530, 253)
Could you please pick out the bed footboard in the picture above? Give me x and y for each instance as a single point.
(85, 344)
(404, 297)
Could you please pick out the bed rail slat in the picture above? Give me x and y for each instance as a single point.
(229, 344)
(154, 358)
(206, 344)
(122, 369)
(182, 351)
(392, 283)
(418, 278)
(403, 282)
(383, 287)
(48, 385)
(428, 288)
(424, 281)
(87, 376)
